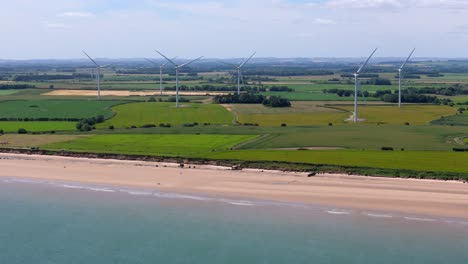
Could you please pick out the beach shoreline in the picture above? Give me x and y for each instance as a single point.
(407, 196)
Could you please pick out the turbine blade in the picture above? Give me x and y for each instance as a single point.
(192, 61)
(150, 61)
(90, 58)
(229, 64)
(247, 60)
(365, 63)
(409, 57)
(169, 60)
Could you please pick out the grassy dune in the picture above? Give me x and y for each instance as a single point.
(159, 145)
(138, 114)
(438, 161)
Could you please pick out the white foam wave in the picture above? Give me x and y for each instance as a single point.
(379, 215)
(139, 193)
(419, 219)
(72, 186)
(242, 203)
(338, 212)
(100, 189)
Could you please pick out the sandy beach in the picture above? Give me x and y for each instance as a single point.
(406, 196)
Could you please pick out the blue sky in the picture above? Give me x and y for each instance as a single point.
(224, 29)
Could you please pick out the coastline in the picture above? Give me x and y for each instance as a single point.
(408, 196)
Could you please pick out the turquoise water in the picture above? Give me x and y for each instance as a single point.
(43, 222)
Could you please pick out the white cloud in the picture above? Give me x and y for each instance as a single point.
(364, 4)
(75, 14)
(56, 25)
(323, 21)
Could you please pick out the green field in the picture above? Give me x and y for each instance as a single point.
(455, 120)
(160, 145)
(29, 141)
(297, 119)
(138, 114)
(407, 160)
(414, 114)
(299, 114)
(56, 108)
(370, 137)
(7, 92)
(37, 126)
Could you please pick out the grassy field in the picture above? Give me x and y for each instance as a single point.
(56, 108)
(7, 92)
(28, 141)
(408, 160)
(161, 145)
(300, 114)
(414, 114)
(370, 137)
(37, 126)
(455, 120)
(296, 119)
(138, 114)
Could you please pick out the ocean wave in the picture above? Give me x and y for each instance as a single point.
(338, 212)
(409, 218)
(379, 215)
(242, 203)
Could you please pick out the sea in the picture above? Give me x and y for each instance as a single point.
(67, 223)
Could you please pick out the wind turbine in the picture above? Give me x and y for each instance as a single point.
(239, 69)
(161, 66)
(400, 70)
(356, 84)
(177, 68)
(98, 68)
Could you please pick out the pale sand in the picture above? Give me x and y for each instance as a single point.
(129, 93)
(407, 196)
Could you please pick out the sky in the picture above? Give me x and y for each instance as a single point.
(60, 29)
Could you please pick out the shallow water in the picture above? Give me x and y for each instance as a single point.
(52, 222)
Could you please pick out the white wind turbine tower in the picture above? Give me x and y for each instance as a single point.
(400, 70)
(98, 68)
(177, 68)
(239, 70)
(356, 84)
(161, 66)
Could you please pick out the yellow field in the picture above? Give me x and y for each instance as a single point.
(413, 114)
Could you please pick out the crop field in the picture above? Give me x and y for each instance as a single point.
(139, 114)
(413, 114)
(29, 141)
(56, 108)
(161, 145)
(454, 120)
(7, 92)
(295, 119)
(37, 126)
(409, 160)
(370, 137)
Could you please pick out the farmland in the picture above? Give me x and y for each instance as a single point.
(36, 126)
(316, 130)
(413, 114)
(162, 145)
(399, 160)
(63, 109)
(139, 114)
